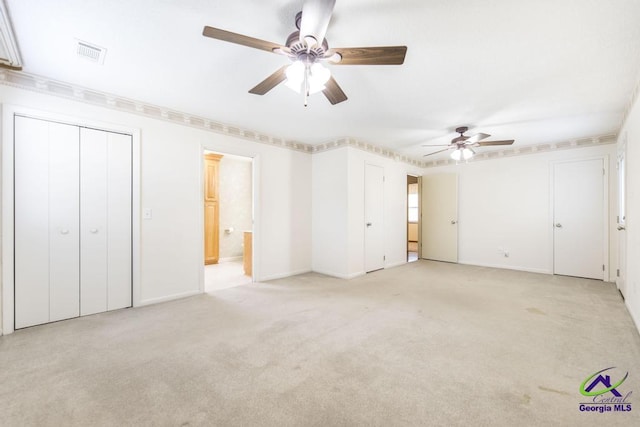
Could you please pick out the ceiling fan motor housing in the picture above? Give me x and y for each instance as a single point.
(300, 51)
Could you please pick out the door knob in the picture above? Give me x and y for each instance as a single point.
(94, 230)
(369, 224)
(453, 222)
(621, 227)
(558, 225)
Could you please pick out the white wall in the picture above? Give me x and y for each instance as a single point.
(631, 130)
(171, 260)
(235, 204)
(506, 203)
(338, 210)
(330, 206)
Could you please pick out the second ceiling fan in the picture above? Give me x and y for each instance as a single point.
(462, 144)
(308, 49)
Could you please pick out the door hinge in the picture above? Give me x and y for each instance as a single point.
(618, 219)
(603, 172)
(618, 273)
(602, 267)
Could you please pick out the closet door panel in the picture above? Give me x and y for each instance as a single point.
(119, 221)
(64, 221)
(31, 158)
(93, 221)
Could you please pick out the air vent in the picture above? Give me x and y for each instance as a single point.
(91, 52)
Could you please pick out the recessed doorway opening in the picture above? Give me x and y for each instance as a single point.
(413, 217)
(228, 220)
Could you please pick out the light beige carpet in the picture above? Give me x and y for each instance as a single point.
(423, 344)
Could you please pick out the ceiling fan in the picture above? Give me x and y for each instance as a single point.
(462, 144)
(308, 49)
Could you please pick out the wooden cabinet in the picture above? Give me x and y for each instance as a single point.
(247, 258)
(211, 209)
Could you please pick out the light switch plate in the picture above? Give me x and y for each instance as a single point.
(146, 213)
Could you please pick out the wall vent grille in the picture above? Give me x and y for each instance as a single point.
(91, 52)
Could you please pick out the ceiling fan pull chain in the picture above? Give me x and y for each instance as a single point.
(306, 84)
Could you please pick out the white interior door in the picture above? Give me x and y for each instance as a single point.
(46, 224)
(374, 217)
(105, 183)
(440, 217)
(578, 218)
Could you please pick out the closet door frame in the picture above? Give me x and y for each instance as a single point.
(8, 114)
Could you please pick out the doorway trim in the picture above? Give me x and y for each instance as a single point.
(621, 209)
(8, 114)
(206, 147)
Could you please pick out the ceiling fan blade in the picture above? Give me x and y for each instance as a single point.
(436, 152)
(270, 82)
(334, 92)
(316, 15)
(437, 145)
(379, 55)
(475, 138)
(228, 36)
(490, 143)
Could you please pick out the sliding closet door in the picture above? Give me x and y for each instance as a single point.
(105, 225)
(46, 222)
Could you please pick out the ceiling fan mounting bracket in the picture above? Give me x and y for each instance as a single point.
(462, 129)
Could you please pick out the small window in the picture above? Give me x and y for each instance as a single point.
(412, 203)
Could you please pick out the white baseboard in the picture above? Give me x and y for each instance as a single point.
(395, 264)
(507, 267)
(168, 298)
(282, 275)
(332, 274)
(354, 275)
(340, 275)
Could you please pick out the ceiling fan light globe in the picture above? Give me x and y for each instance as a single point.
(467, 153)
(456, 154)
(319, 74)
(294, 86)
(295, 71)
(295, 76)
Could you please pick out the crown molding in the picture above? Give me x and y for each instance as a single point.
(530, 149)
(370, 148)
(48, 86)
(40, 84)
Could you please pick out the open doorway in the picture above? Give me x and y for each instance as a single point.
(413, 215)
(228, 220)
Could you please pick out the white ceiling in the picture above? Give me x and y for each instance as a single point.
(537, 71)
